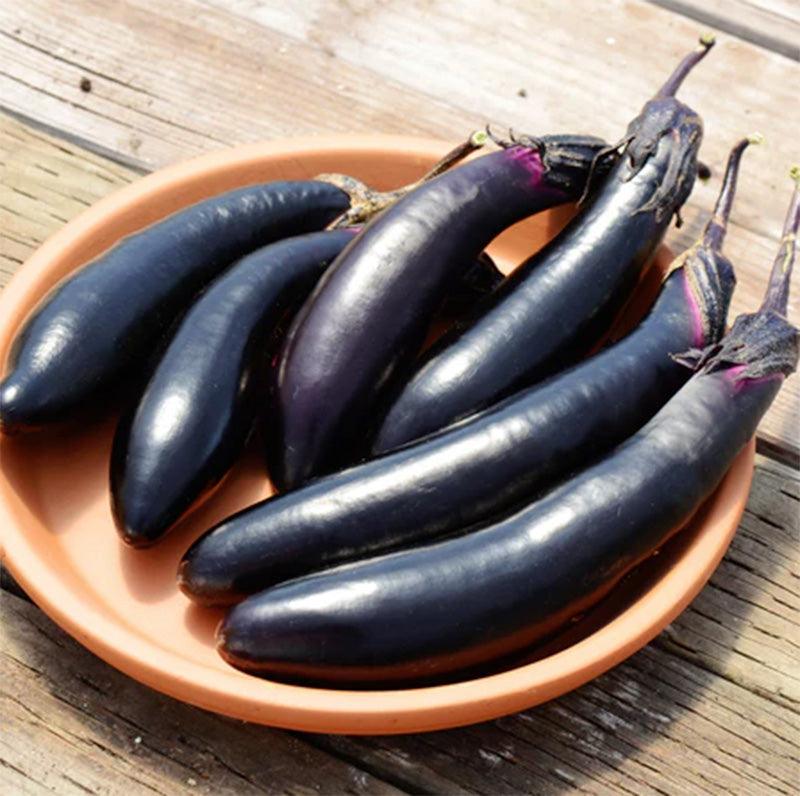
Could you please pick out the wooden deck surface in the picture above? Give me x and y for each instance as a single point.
(712, 705)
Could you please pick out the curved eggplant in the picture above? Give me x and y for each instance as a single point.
(95, 331)
(199, 406)
(367, 317)
(554, 307)
(174, 447)
(472, 473)
(440, 609)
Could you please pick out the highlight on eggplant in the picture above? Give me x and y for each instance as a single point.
(555, 306)
(488, 465)
(367, 318)
(92, 337)
(440, 609)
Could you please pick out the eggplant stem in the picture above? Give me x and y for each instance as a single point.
(530, 141)
(476, 141)
(689, 61)
(777, 296)
(609, 151)
(366, 202)
(717, 225)
(762, 343)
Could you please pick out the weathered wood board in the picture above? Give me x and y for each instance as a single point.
(99, 93)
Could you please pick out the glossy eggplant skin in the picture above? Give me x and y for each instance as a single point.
(438, 609)
(474, 471)
(551, 310)
(555, 306)
(464, 602)
(367, 318)
(200, 404)
(95, 331)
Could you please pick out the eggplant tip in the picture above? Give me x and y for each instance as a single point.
(794, 173)
(755, 138)
(9, 400)
(135, 540)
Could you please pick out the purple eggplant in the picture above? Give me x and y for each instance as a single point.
(95, 333)
(200, 405)
(440, 609)
(93, 337)
(368, 316)
(554, 307)
(488, 465)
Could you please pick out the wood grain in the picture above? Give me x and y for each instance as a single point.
(71, 724)
(44, 182)
(712, 707)
(774, 24)
(584, 70)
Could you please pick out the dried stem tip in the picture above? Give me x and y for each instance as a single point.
(777, 298)
(686, 65)
(718, 223)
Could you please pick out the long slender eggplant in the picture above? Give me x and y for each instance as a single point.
(555, 305)
(488, 465)
(94, 334)
(97, 329)
(367, 318)
(439, 609)
(199, 406)
(175, 446)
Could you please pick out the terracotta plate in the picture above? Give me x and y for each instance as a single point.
(60, 543)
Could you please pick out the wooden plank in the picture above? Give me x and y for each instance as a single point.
(695, 712)
(44, 182)
(72, 724)
(655, 725)
(276, 70)
(774, 24)
(581, 70)
(745, 625)
(264, 69)
(164, 88)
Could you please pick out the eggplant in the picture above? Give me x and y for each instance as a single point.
(199, 406)
(367, 318)
(93, 335)
(92, 338)
(440, 609)
(556, 305)
(485, 466)
(173, 447)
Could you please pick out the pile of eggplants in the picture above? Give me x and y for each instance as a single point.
(443, 509)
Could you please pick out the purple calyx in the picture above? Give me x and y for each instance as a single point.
(709, 276)
(763, 344)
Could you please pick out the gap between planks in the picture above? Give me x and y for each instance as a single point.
(772, 24)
